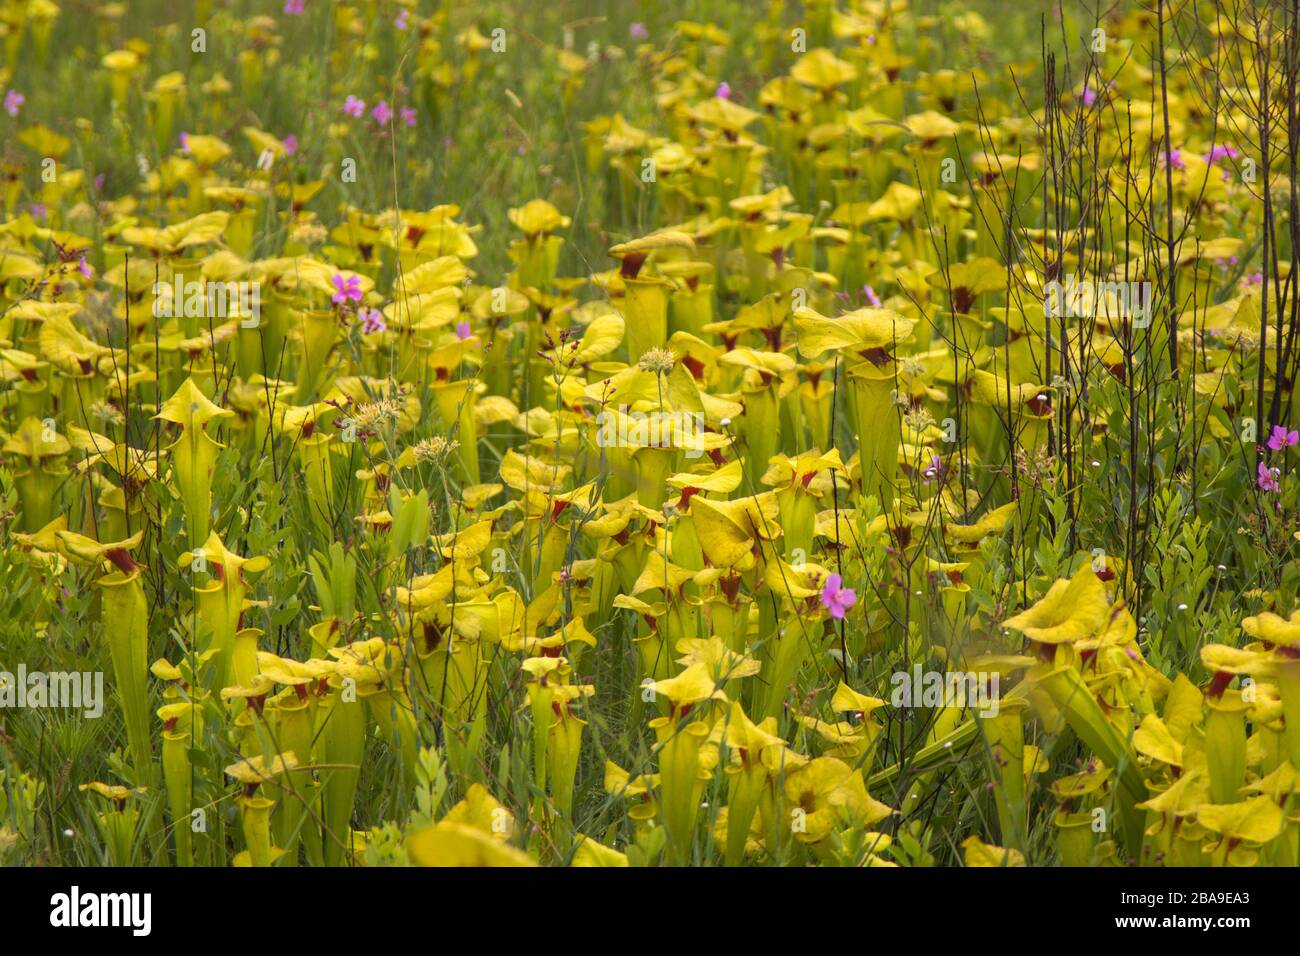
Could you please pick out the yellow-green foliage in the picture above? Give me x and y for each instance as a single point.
(820, 436)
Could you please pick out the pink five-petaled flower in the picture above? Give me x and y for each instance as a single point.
(184, 140)
(402, 20)
(463, 330)
(382, 113)
(1089, 96)
(408, 115)
(290, 144)
(1175, 159)
(837, 599)
(13, 101)
(1281, 438)
(870, 294)
(84, 267)
(723, 92)
(638, 31)
(354, 107)
(294, 7)
(1266, 477)
(1221, 152)
(349, 289)
(372, 321)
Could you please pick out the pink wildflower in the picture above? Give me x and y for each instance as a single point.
(1266, 477)
(837, 599)
(1281, 438)
(349, 289)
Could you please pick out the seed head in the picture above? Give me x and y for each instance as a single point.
(659, 361)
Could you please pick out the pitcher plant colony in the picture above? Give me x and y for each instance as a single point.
(848, 433)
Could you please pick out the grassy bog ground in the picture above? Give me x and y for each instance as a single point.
(714, 433)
